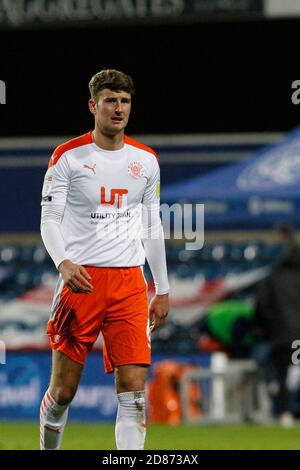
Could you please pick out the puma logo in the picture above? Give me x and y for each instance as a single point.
(92, 168)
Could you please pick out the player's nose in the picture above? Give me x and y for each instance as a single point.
(118, 107)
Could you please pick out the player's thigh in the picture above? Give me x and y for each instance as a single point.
(65, 377)
(130, 378)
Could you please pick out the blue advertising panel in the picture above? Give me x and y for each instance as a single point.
(24, 379)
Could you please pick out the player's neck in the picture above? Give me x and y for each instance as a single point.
(107, 142)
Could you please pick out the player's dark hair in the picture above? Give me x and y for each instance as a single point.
(113, 80)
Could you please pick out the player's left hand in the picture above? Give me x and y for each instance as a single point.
(158, 310)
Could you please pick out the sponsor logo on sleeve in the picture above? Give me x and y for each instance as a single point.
(158, 190)
(48, 183)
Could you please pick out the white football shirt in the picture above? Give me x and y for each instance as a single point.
(102, 193)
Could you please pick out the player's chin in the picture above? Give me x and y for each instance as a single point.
(121, 124)
(115, 129)
(117, 123)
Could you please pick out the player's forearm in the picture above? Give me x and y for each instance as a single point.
(51, 234)
(156, 257)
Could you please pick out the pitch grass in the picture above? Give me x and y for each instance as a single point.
(18, 436)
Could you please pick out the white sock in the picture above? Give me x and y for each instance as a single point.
(131, 421)
(53, 418)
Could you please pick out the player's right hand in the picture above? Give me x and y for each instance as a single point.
(75, 277)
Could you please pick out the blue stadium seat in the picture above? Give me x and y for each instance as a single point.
(237, 252)
(255, 250)
(221, 251)
(205, 254)
(9, 254)
(26, 255)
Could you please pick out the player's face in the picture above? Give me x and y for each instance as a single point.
(112, 111)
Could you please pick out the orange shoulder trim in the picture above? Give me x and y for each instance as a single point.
(69, 145)
(136, 143)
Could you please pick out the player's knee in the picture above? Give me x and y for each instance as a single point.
(63, 395)
(130, 378)
(131, 384)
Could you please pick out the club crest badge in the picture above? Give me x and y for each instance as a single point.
(136, 170)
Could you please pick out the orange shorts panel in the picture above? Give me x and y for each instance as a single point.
(118, 306)
(76, 350)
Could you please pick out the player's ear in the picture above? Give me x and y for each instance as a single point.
(92, 106)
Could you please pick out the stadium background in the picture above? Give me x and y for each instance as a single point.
(214, 85)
